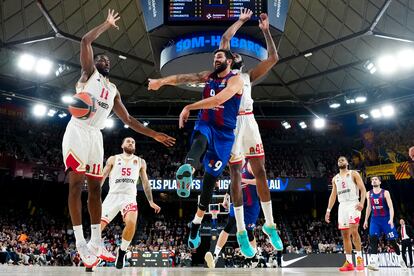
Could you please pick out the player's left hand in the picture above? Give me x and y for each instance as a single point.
(185, 113)
(264, 22)
(154, 84)
(359, 206)
(156, 208)
(112, 18)
(164, 139)
(245, 14)
(391, 223)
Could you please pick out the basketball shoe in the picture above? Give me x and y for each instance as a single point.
(211, 260)
(101, 252)
(347, 267)
(246, 249)
(359, 263)
(89, 259)
(194, 239)
(271, 232)
(184, 178)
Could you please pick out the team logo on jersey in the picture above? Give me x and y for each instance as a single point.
(251, 150)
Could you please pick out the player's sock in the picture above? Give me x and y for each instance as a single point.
(96, 233)
(267, 211)
(124, 244)
(217, 251)
(239, 214)
(78, 230)
(348, 258)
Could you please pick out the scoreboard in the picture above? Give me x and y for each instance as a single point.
(210, 11)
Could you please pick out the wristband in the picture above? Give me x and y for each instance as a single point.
(328, 210)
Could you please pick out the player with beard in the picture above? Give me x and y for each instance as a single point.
(124, 171)
(381, 209)
(348, 186)
(213, 134)
(82, 145)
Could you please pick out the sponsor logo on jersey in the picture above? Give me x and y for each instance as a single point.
(103, 105)
(124, 180)
(344, 191)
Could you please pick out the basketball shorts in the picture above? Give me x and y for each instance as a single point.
(219, 146)
(82, 149)
(251, 214)
(379, 226)
(347, 214)
(248, 142)
(115, 203)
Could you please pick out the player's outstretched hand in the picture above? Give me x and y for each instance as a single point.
(165, 139)
(391, 223)
(365, 226)
(154, 84)
(185, 113)
(264, 22)
(112, 18)
(156, 208)
(327, 217)
(245, 14)
(359, 206)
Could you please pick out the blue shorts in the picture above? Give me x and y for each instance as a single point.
(379, 225)
(251, 214)
(220, 143)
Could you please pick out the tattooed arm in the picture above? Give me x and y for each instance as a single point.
(155, 84)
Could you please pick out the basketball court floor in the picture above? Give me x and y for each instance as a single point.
(147, 271)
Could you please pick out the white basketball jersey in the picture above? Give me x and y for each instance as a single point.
(104, 93)
(124, 175)
(246, 103)
(346, 188)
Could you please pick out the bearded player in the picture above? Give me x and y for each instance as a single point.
(347, 185)
(124, 171)
(381, 209)
(82, 145)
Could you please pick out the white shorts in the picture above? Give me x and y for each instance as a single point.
(115, 203)
(248, 142)
(347, 214)
(82, 149)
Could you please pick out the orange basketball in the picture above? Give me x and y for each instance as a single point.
(83, 105)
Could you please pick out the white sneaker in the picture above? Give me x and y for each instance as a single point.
(402, 263)
(210, 260)
(101, 252)
(89, 259)
(372, 266)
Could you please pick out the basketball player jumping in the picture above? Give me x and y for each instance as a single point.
(82, 145)
(124, 170)
(348, 186)
(251, 213)
(213, 135)
(379, 204)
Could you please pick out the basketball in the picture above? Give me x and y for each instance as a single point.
(82, 106)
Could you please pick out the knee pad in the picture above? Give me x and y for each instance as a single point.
(250, 233)
(230, 225)
(209, 182)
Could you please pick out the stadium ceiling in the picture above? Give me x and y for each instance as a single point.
(341, 35)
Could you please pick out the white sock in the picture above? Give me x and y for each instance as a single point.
(239, 215)
(358, 254)
(349, 258)
(268, 212)
(124, 244)
(217, 251)
(96, 233)
(197, 219)
(78, 230)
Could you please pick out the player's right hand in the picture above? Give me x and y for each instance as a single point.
(112, 18)
(154, 84)
(164, 139)
(327, 217)
(185, 113)
(365, 226)
(245, 14)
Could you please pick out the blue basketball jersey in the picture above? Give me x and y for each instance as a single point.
(226, 114)
(379, 204)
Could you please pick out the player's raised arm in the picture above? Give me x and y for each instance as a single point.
(133, 123)
(147, 187)
(390, 207)
(155, 84)
(360, 185)
(108, 168)
(331, 202)
(367, 212)
(234, 86)
(86, 52)
(264, 66)
(245, 15)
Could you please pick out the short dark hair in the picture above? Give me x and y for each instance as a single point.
(343, 156)
(379, 178)
(95, 56)
(227, 53)
(126, 138)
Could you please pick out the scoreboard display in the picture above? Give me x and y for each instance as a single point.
(210, 11)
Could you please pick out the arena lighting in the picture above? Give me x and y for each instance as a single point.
(334, 104)
(387, 111)
(349, 100)
(109, 123)
(303, 125)
(26, 62)
(122, 57)
(370, 67)
(364, 116)
(51, 112)
(308, 55)
(387, 64)
(43, 66)
(286, 125)
(145, 123)
(39, 110)
(67, 99)
(62, 68)
(319, 123)
(405, 59)
(361, 99)
(126, 126)
(62, 115)
(376, 113)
